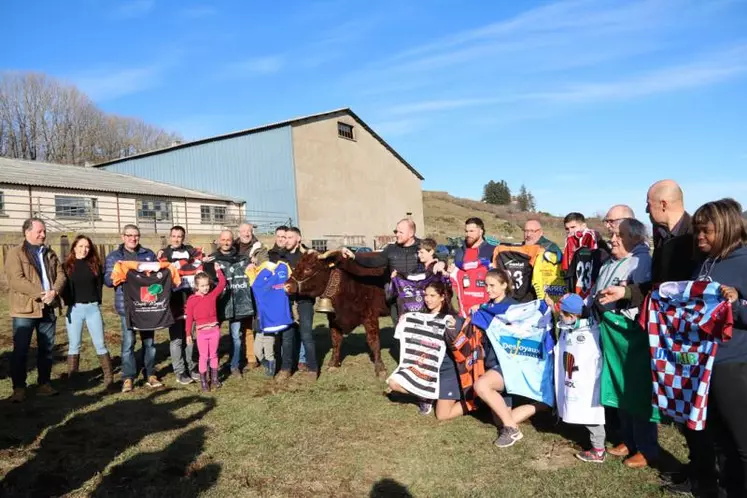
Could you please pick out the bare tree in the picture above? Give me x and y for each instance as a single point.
(44, 119)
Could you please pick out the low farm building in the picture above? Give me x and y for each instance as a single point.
(76, 199)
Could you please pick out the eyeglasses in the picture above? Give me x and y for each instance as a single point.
(611, 221)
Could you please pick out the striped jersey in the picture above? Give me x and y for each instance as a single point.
(523, 342)
(685, 321)
(422, 346)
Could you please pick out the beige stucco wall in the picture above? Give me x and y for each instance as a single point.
(350, 187)
(18, 201)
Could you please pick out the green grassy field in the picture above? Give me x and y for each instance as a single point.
(337, 437)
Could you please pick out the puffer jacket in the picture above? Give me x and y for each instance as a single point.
(403, 259)
(25, 281)
(236, 301)
(142, 254)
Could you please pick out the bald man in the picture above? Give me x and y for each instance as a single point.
(673, 260)
(616, 215)
(234, 304)
(533, 234)
(402, 256)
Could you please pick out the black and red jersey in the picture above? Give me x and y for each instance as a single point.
(583, 272)
(146, 298)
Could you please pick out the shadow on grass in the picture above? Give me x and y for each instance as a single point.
(353, 344)
(71, 454)
(23, 423)
(389, 488)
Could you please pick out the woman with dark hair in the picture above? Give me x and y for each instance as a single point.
(82, 294)
(436, 298)
(721, 238)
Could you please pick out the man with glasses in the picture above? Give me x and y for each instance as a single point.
(533, 234)
(616, 215)
(131, 250)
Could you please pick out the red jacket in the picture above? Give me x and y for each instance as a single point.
(201, 310)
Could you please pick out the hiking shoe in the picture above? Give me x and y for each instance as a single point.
(153, 382)
(508, 436)
(127, 385)
(46, 390)
(195, 376)
(593, 456)
(425, 407)
(184, 379)
(18, 396)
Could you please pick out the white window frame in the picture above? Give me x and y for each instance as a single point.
(83, 208)
(140, 208)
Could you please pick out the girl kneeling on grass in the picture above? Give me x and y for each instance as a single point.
(448, 404)
(201, 311)
(489, 386)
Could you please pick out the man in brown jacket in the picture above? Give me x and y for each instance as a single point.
(36, 278)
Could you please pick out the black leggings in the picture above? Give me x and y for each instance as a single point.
(727, 422)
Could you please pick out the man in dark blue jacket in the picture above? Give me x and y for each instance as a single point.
(131, 250)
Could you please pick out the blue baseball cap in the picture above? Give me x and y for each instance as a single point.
(573, 304)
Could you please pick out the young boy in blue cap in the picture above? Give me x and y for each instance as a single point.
(573, 328)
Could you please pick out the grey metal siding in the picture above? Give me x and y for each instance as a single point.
(257, 168)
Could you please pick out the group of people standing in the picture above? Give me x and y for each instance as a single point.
(43, 287)
(708, 248)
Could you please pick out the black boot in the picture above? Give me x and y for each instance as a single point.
(214, 382)
(204, 382)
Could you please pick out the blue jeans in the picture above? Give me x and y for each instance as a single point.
(639, 435)
(90, 313)
(23, 329)
(235, 328)
(129, 362)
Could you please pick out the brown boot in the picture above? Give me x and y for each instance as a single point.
(106, 367)
(73, 365)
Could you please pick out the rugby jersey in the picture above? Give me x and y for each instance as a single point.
(268, 286)
(578, 369)
(685, 321)
(522, 339)
(519, 262)
(468, 284)
(583, 273)
(422, 349)
(548, 278)
(576, 240)
(465, 343)
(147, 289)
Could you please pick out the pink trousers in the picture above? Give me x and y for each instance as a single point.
(207, 345)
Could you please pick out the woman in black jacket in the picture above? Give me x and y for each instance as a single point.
(82, 294)
(721, 238)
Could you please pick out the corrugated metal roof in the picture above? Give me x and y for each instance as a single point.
(40, 174)
(291, 122)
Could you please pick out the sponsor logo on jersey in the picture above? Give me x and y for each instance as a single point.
(570, 364)
(150, 294)
(521, 347)
(677, 357)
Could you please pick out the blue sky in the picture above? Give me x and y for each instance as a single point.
(585, 102)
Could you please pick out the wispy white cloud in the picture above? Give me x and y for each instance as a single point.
(256, 66)
(109, 84)
(198, 11)
(133, 8)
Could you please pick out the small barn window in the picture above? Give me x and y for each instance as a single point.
(345, 131)
(153, 210)
(319, 245)
(213, 214)
(76, 207)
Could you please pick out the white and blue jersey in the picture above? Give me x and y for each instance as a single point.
(523, 342)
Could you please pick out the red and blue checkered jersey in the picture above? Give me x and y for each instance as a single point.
(685, 321)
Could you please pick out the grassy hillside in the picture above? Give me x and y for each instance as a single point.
(445, 215)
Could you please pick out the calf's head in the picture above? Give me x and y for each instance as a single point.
(311, 275)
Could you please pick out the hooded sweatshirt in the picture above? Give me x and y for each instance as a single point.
(732, 272)
(635, 268)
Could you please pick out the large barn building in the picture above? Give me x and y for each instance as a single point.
(330, 174)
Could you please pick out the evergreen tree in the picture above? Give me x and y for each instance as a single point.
(525, 200)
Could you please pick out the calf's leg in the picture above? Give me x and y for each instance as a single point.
(374, 343)
(335, 362)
